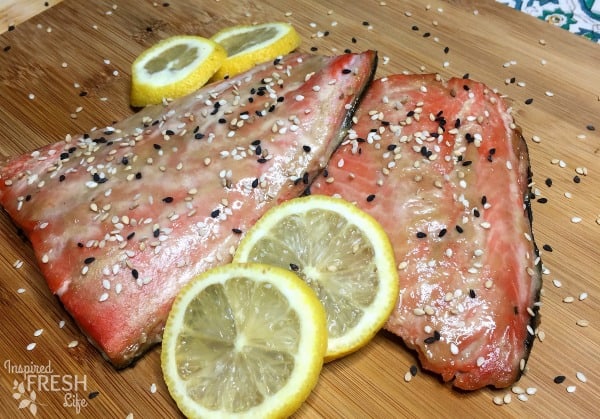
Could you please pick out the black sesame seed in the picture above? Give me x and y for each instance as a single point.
(483, 200)
(93, 395)
(426, 34)
(255, 142)
(353, 40)
(157, 146)
(542, 200)
(236, 231)
(294, 267)
(476, 212)
(365, 23)
(156, 232)
(465, 76)
(222, 121)
(347, 51)
(437, 335)
(64, 156)
(313, 49)
(138, 175)
(168, 199)
(467, 163)
(83, 93)
(306, 148)
(169, 132)
(442, 232)
(198, 136)
(457, 123)
(472, 293)
(529, 101)
(446, 50)
(280, 99)
(421, 235)
(590, 127)
(305, 178)
(429, 340)
(255, 183)
(370, 198)
(559, 379)
(11, 28)
(547, 248)
(576, 179)
(89, 260)
(548, 182)
(215, 213)
(79, 244)
(346, 71)
(415, 28)
(413, 370)
(61, 178)
(459, 228)
(135, 273)
(391, 147)
(258, 150)
(130, 235)
(466, 87)
(262, 160)
(7, 48)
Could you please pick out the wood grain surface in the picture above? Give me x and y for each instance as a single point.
(67, 70)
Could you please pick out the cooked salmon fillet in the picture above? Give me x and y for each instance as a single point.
(121, 218)
(444, 170)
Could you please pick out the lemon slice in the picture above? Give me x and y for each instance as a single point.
(243, 340)
(174, 67)
(248, 45)
(341, 252)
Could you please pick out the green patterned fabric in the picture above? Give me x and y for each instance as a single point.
(581, 17)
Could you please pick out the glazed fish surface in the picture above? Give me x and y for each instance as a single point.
(443, 168)
(121, 218)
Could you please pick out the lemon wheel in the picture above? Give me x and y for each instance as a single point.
(243, 340)
(174, 67)
(342, 253)
(248, 45)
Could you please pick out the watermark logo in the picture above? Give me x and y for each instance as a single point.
(35, 379)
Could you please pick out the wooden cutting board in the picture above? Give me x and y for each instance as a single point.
(67, 70)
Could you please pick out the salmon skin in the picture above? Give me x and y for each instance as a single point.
(444, 170)
(121, 218)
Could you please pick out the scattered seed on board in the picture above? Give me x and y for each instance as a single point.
(38, 332)
(73, 344)
(571, 389)
(31, 346)
(582, 323)
(153, 388)
(581, 377)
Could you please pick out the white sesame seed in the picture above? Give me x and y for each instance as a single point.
(38, 332)
(72, 344)
(153, 388)
(582, 323)
(408, 376)
(31, 346)
(480, 361)
(576, 220)
(581, 376)
(557, 283)
(20, 290)
(571, 389)
(583, 296)
(103, 297)
(61, 324)
(418, 312)
(568, 299)
(453, 349)
(498, 400)
(522, 397)
(507, 398)
(531, 390)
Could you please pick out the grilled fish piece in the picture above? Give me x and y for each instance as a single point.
(442, 167)
(121, 218)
